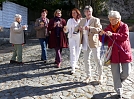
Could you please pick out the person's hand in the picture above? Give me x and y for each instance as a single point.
(41, 25)
(87, 27)
(108, 33)
(23, 27)
(80, 28)
(55, 23)
(60, 25)
(65, 29)
(102, 32)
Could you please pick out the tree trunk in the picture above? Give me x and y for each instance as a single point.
(76, 3)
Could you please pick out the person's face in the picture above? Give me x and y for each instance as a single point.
(74, 14)
(43, 14)
(113, 21)
(18, 20)
(88, 13)
(58, 14)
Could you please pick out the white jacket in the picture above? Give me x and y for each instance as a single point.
(16, 33)
(71, 24)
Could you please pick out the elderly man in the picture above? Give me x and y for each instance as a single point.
(89, 28)
(17, 39)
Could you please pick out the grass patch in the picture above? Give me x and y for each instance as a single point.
(129, 21)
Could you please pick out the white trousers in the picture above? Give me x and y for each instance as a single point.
(75, 48)
(87, 56)
(118, 76)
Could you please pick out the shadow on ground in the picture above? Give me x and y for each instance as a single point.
(16, 72)
(106, 95)
(38, 91)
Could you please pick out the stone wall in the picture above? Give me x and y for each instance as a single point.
(125, 7)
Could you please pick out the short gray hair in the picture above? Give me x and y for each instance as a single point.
(17, 16)
(114, 14)
(88, 8)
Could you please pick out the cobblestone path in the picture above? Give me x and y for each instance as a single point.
(36, 80)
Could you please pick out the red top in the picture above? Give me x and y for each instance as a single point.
(121, 38)
(53, 39)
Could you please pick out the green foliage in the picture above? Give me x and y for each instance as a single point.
(129, 21)
(40, 4)
(98, 5)
(65, 5)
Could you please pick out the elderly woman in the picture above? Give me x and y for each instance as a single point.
(17, 39)
(74, 38)
(57, 38)
(121, 52)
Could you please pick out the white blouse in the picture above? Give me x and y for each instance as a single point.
(71, 24)
(85, 42)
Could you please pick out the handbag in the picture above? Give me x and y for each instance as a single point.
(106, 55)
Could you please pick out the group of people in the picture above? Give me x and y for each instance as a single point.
(83, 33)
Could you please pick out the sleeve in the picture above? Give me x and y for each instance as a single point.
(63, 22)
(122, 36)
(97, 27)
(15, 28)
(68, 25)
(51, 25)
(48, 20)
(37, 25)
(105, 37)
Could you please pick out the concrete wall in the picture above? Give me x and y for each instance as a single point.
(7, 14)
(8, 11)
(131, 36)
(1, 18)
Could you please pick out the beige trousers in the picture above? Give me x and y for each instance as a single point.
(87, 56)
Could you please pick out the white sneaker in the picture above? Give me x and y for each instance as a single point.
(73, 71)
(120, 97)
(100, 79)
(77, 67)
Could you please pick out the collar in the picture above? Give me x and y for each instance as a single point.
(78, 20)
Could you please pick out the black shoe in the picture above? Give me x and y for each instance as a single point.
(13, 61)
(55, 62)
(45, 61)
(20, 63)
(121, 97)
(41, 59)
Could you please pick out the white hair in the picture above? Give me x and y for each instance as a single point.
(17, 16)
(114, 14)
(88, 8)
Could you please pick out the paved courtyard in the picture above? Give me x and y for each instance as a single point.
(36, 80)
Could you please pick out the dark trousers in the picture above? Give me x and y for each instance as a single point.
(58, 51)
